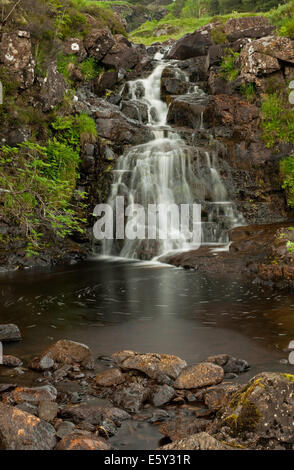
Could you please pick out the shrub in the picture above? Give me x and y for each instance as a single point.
(229, 71)
(287, 173)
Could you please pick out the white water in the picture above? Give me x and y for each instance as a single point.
(163, 171)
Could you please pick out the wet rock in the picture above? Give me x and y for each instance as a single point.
(188, 110)
(215, 55)
(135, 110)
(32, 395)
(93, 414)
(9, 332)
(99, 42)
(53, 88)
(68, 352)
(260, 415)
(192, 45)
(162, 394)
(158, 416)
(16, 56)
(229, 363)
(152, 364)
(113, 125)
(109, 377)
(200, 441)
(122, 55)
(172, 83)
(105, 81)
(23, 431)
(5, 387)
(47, 410)
(11, 361)
(131, 397)
(77, 441)
(248, 27)
(199, 375)
(182, 427)
(64, 429)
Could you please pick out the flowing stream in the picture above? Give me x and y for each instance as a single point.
(167, 172)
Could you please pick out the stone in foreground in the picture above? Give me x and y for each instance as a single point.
(109, 377)
(22, 431)
(156, 366)
(79, 442)
(199, 375)
(66, 352)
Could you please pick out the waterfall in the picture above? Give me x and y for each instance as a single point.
(167, 171)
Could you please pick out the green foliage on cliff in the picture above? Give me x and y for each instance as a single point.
(37, 182)
(283, 18)
(277, 120)
(287, 172)
(229, 70)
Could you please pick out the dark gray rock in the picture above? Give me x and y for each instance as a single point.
(9, 332)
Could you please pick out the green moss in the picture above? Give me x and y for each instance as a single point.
(248, 90)
(218, 35)
(289, 377)
(277, 119)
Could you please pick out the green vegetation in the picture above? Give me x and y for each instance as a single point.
(38, 182)
(89, 67)
(277, 119)
(248, 90)
(283, 18)
(287, 173)
(229, 70)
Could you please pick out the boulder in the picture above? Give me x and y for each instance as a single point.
(248, 27)
(135, 110)
(256, 63)
(229, 363)
(277, 47)
(33, 395)
(217, 397)
(95, 415)
(162, 395)
(260, 415)
(131, 397)
(77, 441)
(9, 332)
(16, 56)
(23, 431)
(53, 88)
(192, 45)
(199, 375)
(99, 42)
(47, 410)
(154, 365)
(172, 84)
(122, 55)
(11, 361)
(109, 377)
(200, 441)
(105, 81)
(113, 125)
(66, 352)
(188, 110)
(64, 429)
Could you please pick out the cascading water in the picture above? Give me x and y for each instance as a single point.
(165, 171)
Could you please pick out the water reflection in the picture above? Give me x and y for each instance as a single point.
(147, 307)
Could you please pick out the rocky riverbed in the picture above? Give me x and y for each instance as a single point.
(65, 399)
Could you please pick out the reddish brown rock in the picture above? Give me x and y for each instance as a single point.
(152, 364)
(32, 395)
(68, 352)
(22, 431)
(182, 427)
(11, 361)
(199, 375)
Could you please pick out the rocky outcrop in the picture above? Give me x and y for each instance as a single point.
(247, 27)
(199, 375)
(122, 55)
(53, 88)
(260, 414)
(192, 45)
(16, 56)
(99, 42)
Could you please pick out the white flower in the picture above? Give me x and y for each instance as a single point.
(75, 46)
